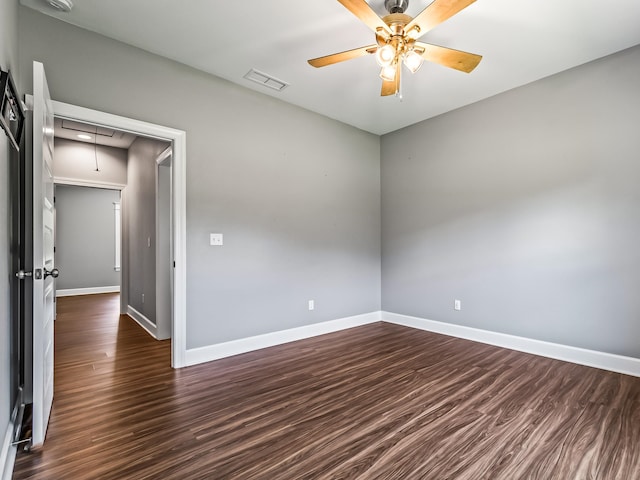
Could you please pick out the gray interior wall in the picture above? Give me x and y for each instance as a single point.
(524, 206)
(8, 61)
(85, 237)
(296, 195)
(141, 224)
(77, 161)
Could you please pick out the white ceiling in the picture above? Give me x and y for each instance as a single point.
(521, 41)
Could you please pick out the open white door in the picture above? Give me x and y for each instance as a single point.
(43, 268)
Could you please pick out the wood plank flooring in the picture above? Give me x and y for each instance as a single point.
(374, 402)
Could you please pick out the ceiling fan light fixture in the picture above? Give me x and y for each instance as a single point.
(396, 36)
(388, 73)
(413, 61)
(385, 55)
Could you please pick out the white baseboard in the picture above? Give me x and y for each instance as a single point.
(581, 356)
(227, 349)
(70, 292)
(143, 321)
(8, 454)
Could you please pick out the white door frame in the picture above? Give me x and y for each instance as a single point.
(164, 247)
(179, 150)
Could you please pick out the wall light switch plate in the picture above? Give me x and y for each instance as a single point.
(457, 305)
(215, 239)
(312, 304)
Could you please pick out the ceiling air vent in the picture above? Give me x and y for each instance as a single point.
(265, 80)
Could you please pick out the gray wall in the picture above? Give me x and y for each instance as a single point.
(8, 61)
(85, 237)
(141, 224)
(77, 161)
(526, 207)
(295, 194)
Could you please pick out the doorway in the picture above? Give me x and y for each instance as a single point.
(95, 168)
(42, 234)
(177, 225)
(86, 240)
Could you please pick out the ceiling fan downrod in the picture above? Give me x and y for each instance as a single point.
(396, 6)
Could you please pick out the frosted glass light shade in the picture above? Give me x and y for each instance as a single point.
(388, 73)
(385, 55)
(413, 61)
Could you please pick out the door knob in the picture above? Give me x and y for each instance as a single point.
(22, 274)
(54, 272)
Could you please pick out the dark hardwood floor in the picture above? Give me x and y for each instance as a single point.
(375, 402)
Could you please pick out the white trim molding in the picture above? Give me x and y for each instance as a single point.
(87, 183)
(117, 238)
(70, 292)
(581, 356)
(166, 153)
(143, 321)
(243, 345)
(7, 454)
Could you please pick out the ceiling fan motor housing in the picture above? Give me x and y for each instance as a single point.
(396, 6)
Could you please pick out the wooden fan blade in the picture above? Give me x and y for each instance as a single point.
(392, 87)
(436, 13)
(388, 88)
(448, 57)
(342, 56)
(363, 11)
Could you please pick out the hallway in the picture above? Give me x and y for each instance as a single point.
(101, 360)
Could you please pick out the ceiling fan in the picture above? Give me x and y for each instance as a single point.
(396, 35)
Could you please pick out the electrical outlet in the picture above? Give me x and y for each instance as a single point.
(457, 305)
(312, 304)
(215, 239)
